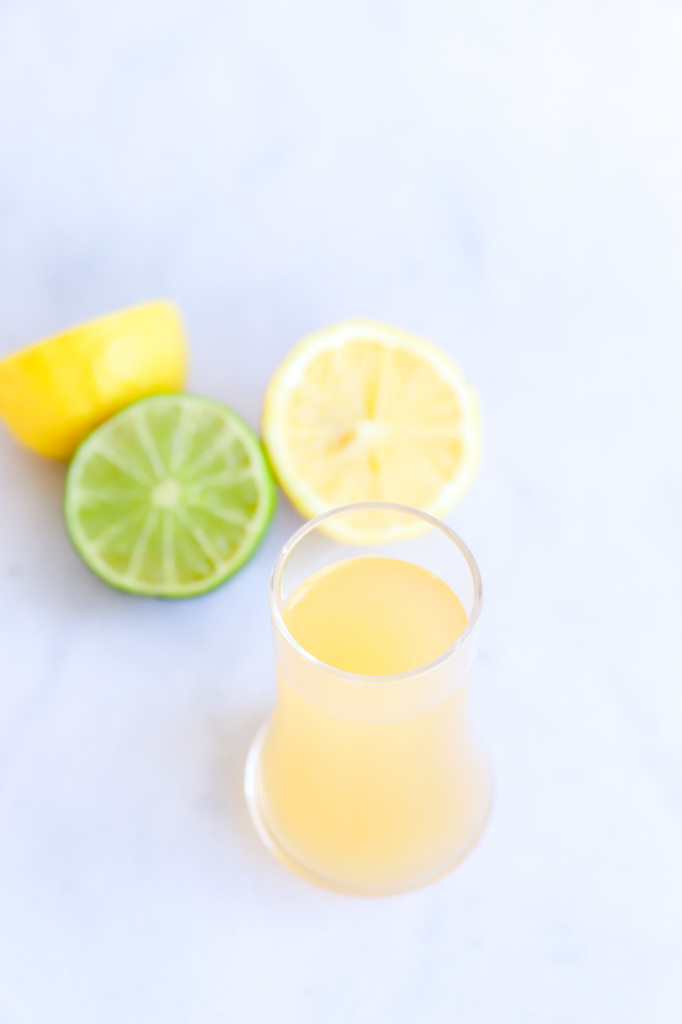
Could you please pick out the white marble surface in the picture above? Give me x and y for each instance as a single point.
(506, 180)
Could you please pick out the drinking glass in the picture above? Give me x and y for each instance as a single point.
(371, 784)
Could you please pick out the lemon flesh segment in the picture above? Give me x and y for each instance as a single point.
(362, 412)
(169, 497)
(55, 392)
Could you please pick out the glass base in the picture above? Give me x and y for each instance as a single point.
(288, 857)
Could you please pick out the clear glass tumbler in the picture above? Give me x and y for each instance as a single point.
(371, 784)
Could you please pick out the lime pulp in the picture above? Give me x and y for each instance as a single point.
(170, 497)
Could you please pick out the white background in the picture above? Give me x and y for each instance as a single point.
(507, 181)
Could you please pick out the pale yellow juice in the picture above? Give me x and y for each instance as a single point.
(372, 783)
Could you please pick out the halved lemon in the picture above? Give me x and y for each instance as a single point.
(362, 412)
(55, 392)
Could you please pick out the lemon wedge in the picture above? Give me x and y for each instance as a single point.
(53, 394)
(362, 412)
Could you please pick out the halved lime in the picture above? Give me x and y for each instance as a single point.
(169, 497)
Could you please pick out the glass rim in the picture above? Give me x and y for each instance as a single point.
(355, 677)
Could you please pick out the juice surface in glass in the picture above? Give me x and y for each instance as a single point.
(372, 783)
(375, 616)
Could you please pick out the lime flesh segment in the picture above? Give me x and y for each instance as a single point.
(169, 497)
